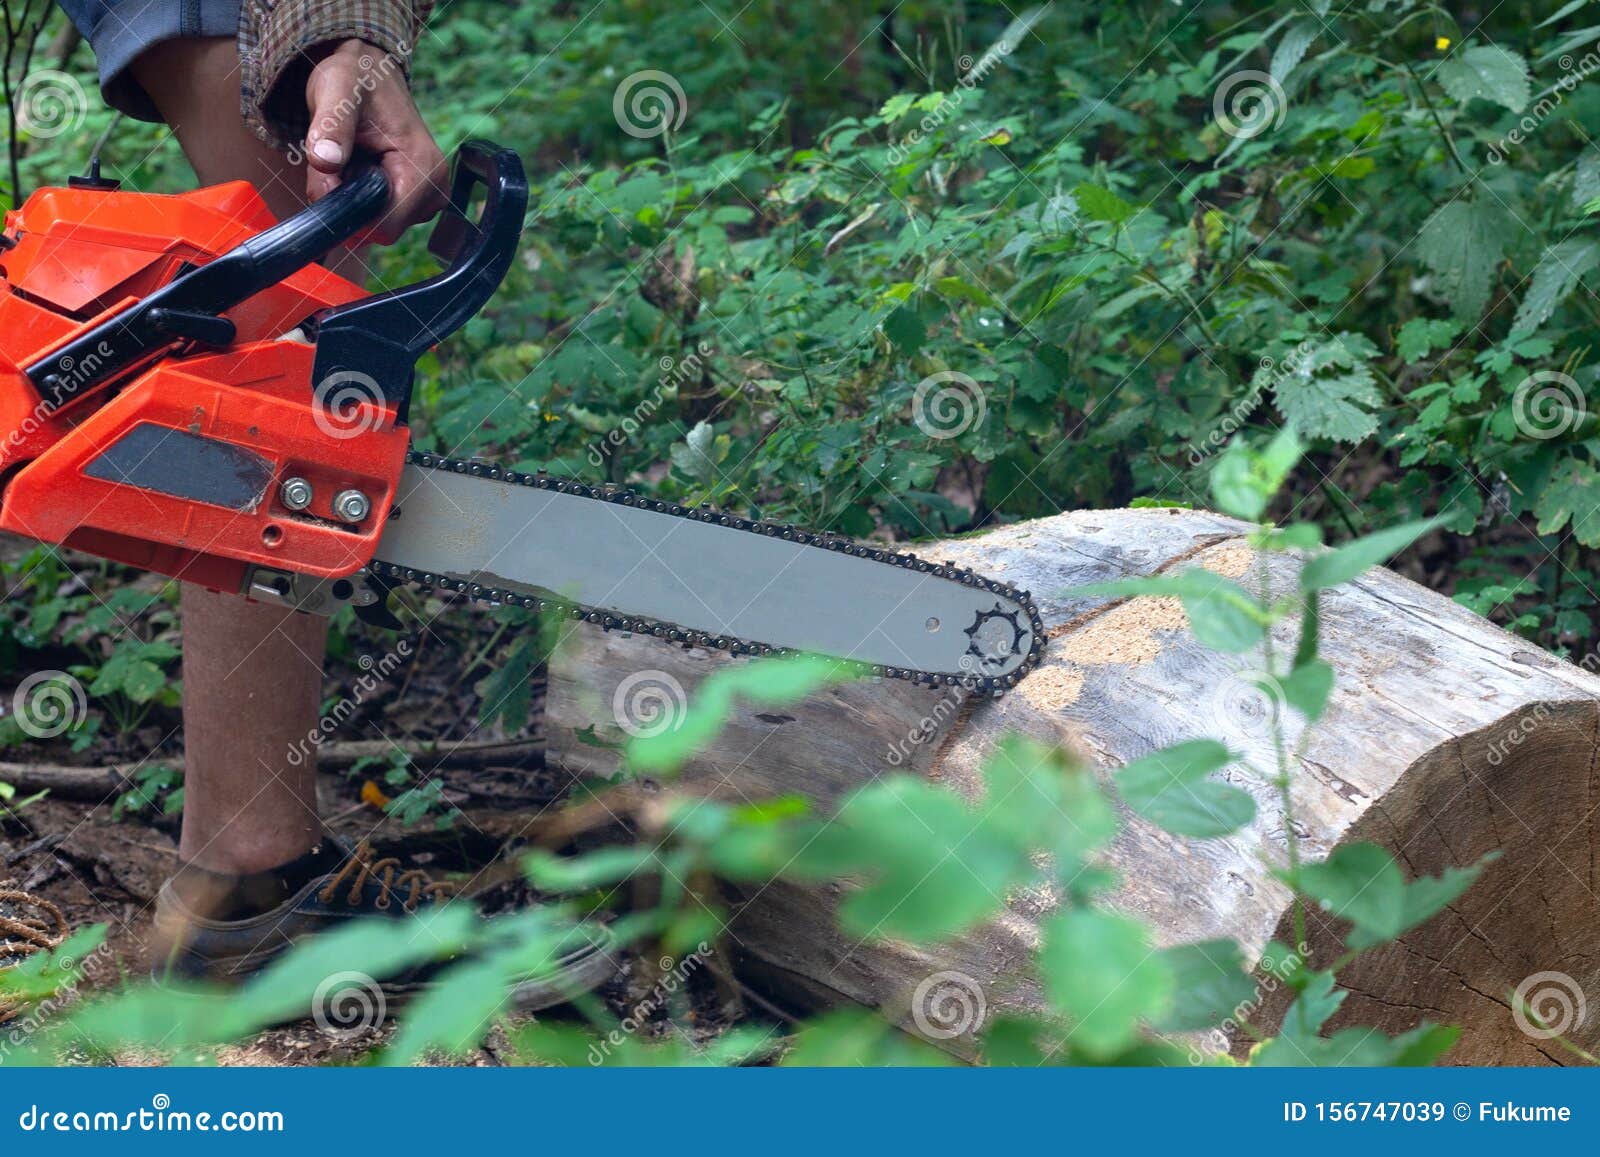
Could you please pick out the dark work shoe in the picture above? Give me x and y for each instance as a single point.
(229, 928)
(28, 924)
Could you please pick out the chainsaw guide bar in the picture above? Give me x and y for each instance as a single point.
(537, 541)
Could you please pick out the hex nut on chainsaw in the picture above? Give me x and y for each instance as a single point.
(295, 493)
(351, 506)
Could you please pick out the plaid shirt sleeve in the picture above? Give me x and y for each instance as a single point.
(275, 36)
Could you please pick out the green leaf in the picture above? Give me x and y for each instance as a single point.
(383, 947)
(1038, 798)
(1210, 985)
(1307, 688)
(1462, 244)
(1101, 204)
(931, 864)
(958, 289)
(1337, 405)
(1422, 335)
(453, 1014)
(1486, 72)
(1556, 276)
(853, 1037)
(43, 974)
(1291, 49)
(1361, 883)
(1356, 558)
(1244, 481)
(1356, 1047)
(142, 681)
(1100, 970)
(507, 692)
(1422, 1045)
(930, 868)
(1318, 1000)
(897, 106)
(600, 868)
(701, 452)
(1571, 493)
(1170, 788)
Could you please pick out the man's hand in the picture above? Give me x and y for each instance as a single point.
(360, 108)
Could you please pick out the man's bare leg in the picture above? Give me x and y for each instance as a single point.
(252, 674)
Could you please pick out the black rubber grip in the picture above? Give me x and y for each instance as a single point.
(317, 229)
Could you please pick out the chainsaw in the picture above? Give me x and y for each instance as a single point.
(183, 389)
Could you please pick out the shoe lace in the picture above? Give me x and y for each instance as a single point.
(28, 924)
(410, 885)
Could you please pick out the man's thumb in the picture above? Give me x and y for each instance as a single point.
(334, 102)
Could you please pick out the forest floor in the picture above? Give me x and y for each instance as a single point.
(104, 864)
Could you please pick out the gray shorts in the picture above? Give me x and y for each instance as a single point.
(119, 30)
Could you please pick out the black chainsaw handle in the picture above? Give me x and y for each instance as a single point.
(378, 339)
(314, 231)
(190, 305)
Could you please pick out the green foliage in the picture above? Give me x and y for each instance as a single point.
(1360, 282)
(1172, 788)
(1362, 884)
(157, 788)
(116, 641)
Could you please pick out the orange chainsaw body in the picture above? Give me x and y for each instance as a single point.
(175, 463)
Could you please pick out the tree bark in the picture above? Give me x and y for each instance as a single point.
(1445, 739)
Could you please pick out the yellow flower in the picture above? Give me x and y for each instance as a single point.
(1442, 44)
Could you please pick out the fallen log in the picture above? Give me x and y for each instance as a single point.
(1445, 739)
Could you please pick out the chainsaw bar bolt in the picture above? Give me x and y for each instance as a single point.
(352, 506)
(295, 493)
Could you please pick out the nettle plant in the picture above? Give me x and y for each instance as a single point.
(922, 865)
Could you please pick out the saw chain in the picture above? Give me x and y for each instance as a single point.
(1024, 622)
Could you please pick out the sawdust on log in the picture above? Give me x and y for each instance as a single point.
(1052, 688)
(1125, 634)
(1230, 560)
